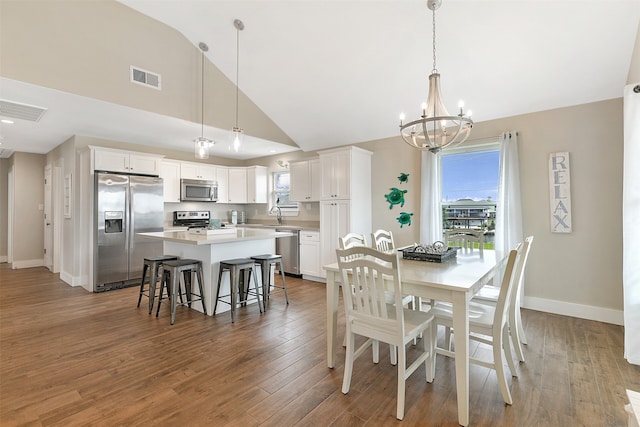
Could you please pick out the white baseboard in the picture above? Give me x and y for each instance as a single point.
(27, 263)
(589, 312)
(72, 280)
(4, 258)
(314, 278)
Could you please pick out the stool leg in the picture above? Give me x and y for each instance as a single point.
(255, 285)
(215, 304)
(175, 280)
(201, 287)
(163, 285)
(233, 285)
(152, 284)
(265, 268)
(186, 275)
(144, 273)
(284, 284)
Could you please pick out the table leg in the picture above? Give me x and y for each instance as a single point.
(332, 317)
(461, 342)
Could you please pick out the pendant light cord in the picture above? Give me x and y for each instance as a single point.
(202, 97)
(435, 70)
(237, 69)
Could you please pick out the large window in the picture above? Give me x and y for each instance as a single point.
(470, 189)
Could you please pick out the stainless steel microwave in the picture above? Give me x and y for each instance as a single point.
(196, 190)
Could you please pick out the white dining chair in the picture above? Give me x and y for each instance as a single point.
(489, 295)
(488, 325)
(365, 274)
(466, 239)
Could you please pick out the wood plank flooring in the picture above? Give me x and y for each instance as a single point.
(69, 357)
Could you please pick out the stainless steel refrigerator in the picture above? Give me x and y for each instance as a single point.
(125, 205)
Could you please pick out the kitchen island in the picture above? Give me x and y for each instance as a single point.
(213, 248)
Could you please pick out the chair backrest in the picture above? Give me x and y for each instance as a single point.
(351, 240)
(509, 283)
(382, 240)
(465, 238)
(519, 273)
(365, 272)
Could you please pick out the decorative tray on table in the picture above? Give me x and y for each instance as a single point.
(437, 252)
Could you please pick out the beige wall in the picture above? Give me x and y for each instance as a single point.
(4, 170)
(28, 208)
(634, 69)
(583, 267)
(87, 48)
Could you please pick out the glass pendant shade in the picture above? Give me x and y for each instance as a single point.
(202, 146)
(238, 137)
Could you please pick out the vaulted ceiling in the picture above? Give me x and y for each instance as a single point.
(330, 73)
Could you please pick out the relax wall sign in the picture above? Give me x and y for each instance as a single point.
(560, 192)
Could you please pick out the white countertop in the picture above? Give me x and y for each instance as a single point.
(242, 234)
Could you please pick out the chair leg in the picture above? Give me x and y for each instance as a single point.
(506, 342)
(265, 269)
(163, 285)
(447, 338)
(498, 362)
(152, 286)
(433, 337)
(284, 284)
(375, 348)
(255, 285)
(348, 362)
(393, 354)
(175, 289)
(521, 334)
(516, 332)
(402, 378)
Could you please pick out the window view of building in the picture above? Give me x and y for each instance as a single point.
(282, 189)
(470, 190)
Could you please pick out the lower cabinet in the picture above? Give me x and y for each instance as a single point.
(335, 221)
(310, 253)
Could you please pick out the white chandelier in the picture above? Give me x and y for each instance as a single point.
(436, 128)
(202, 144)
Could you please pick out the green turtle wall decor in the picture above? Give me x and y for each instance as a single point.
(395, 197)
(405, 218)
(403, 178)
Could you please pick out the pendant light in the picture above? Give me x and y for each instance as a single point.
(436, 128)
(238, 133)
(202, 144)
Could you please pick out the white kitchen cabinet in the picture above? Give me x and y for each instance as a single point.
(112, 160)
(222, 177)
(310, 253)
(335, 174)
(305, 181)
(335, 221)
(170, 174)
(257, 184)
(191, 170)
(237, 185)
(347, 207)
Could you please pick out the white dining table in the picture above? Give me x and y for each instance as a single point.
(455, 281)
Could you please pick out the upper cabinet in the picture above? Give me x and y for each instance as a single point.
(170, 174)
(305, 181)
(222, 177)
(237, 185)
(111, 160)
(335, 174)
(257, 184)
(204, 171)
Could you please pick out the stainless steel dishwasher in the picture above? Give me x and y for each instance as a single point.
(289, 248)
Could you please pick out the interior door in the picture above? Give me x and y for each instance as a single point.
(48, 219)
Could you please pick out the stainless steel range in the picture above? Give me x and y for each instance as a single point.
(191, 218)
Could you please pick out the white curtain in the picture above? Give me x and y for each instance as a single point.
(509, 206)
(631, 223)
(431, 190)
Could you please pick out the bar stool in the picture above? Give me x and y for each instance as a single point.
(154, 263)
(171, 277)
(236, 268)
(265, 262)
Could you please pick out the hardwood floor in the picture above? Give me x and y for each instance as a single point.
(70, 357)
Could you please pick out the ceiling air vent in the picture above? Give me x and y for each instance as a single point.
(17, 110)
(144, 77)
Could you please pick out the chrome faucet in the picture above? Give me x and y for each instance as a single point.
(278, 214)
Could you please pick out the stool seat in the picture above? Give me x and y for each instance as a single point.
(237, 267)
(171, 281)
(154, 263)
(265, 261)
